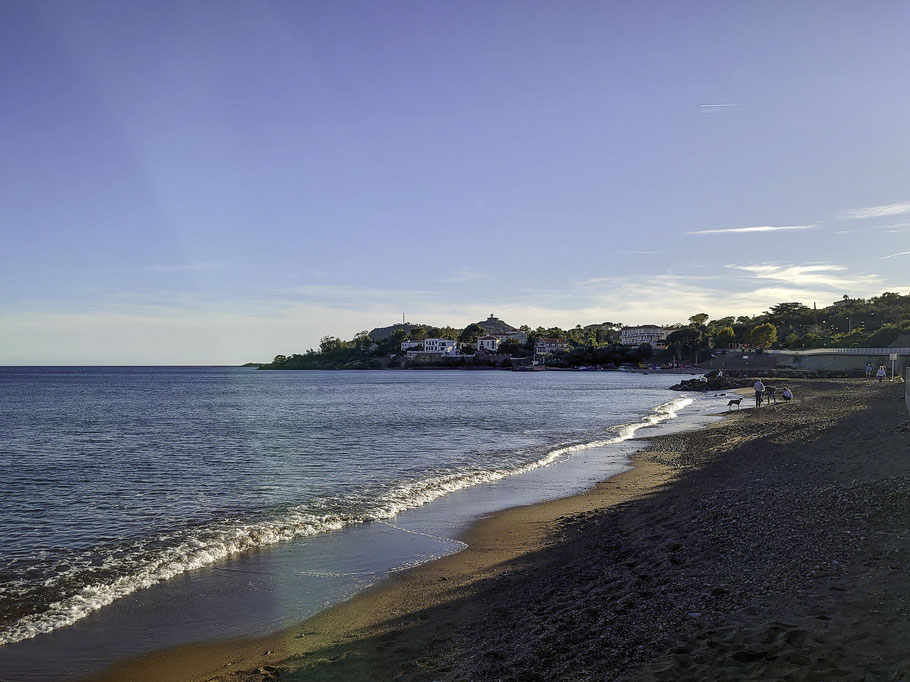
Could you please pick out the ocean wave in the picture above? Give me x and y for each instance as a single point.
(208, 545)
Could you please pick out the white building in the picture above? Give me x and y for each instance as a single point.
(444, 346)
(546, 345)
(519, 336)
(407, 345)
(644, 333)
(488, 343)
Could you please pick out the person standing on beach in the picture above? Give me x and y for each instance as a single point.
(881, 373)
(868, 370)
(759, 389)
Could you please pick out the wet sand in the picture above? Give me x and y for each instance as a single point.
(772, 545)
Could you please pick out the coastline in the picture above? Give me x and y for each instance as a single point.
(496, 548)
(629, 539)
(259, 592)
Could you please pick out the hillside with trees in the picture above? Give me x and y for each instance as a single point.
(849, 323)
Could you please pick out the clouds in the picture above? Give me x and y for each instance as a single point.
(207, 329)
(899, 253)
(464, 275)
(877, 211)
(737, 290)
(760, 228)
(835, 277)
(716, 108)
(186, 267)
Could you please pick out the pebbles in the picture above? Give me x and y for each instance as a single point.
(775, 530)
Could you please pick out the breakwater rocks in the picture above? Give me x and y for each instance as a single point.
(742, 379)
(712, 382)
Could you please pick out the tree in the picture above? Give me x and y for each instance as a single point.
(685, 341)
(330, 344)
(513, 347)
(724, 337)
(787, 316)
(885, 335)
(604, 335)
(471, 333)
(714, 326)
(788, 311)
(362, 339)
(763, 335)
(699, 319)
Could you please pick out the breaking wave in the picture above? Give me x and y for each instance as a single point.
(88, 587)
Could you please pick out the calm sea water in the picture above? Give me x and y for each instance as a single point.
(115, 479)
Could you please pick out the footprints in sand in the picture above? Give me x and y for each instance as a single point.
(778, 650)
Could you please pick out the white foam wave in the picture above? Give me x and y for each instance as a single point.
(217, 543)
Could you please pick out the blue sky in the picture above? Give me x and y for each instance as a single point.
(217, 182)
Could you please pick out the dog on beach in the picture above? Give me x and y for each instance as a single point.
(735, 401)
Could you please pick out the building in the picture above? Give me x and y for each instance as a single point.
(488, 343)
(408, 345)
(517, 335)
(546, 345)
(444, 346)
(644, 333)
(845, 301)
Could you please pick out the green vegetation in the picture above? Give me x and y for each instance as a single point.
(869, 323)
(876, 322)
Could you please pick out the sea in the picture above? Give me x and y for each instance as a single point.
(144, 507)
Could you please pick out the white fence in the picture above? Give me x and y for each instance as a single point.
(842, 351)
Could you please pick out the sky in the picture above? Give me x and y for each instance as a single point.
(221, 182)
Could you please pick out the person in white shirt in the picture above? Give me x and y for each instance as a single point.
(880, 374)
(759, 389)
(787, 395)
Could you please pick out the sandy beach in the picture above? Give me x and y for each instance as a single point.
(771, 545)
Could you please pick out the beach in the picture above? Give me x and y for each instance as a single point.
(771, 545)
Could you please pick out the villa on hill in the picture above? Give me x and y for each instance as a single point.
(546, 345)
(488, 343)
(644, 333)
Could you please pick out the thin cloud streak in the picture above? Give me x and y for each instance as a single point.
(877, 211)
(188, 267)
(816, 274)
(464, 275)
(759, 228)
(899, 253)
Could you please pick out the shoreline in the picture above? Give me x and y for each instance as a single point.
(526, 526)
(288, 582)
(495, 543)
(749, 549)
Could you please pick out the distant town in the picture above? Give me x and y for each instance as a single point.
(879, 322)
